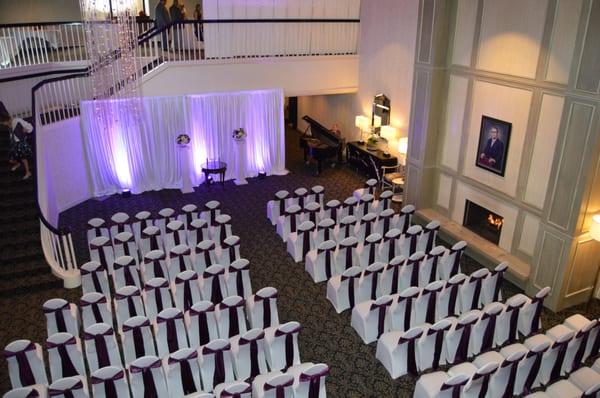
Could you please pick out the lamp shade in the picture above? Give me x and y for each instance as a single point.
(376, 121)
(595, 228)
(403, 145)
(388, 132)
(362, 122)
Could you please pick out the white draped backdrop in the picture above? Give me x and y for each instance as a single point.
(131, 143)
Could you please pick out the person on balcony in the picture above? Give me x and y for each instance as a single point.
(20, 151)
(176, 16)
(162, 20)
(198, 28)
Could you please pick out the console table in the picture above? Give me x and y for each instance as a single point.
(370, 161)
(214, 167)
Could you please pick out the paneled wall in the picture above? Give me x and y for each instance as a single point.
(329, 109)
(533, 63)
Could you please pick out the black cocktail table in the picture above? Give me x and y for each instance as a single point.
(214, 167)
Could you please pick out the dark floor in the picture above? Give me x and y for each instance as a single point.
(325, 337)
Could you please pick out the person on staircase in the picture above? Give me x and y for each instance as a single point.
(20, 151)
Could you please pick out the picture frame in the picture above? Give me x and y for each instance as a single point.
(492, 148)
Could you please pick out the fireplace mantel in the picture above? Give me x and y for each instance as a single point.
(477, 247)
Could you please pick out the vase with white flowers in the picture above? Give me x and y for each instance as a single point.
(372, 142)
(239, 134)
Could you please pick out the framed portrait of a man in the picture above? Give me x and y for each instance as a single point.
(492, 149)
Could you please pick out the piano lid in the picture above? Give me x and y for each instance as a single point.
(321, 132)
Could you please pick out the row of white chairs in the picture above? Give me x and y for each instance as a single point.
(435, 301)
(583, 383)
(540, 361)
(121, 222)
(175, 244)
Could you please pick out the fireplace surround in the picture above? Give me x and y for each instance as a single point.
(483, 222)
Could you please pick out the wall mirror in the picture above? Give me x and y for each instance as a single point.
(381, 112)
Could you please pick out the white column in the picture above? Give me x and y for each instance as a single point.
(240, 162)
(186, 169)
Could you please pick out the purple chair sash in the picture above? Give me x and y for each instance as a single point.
(289, 344)
(431, 233)
(158, 294)
(434, 267)
(374, 281)
(314, 381)
(349, 253)
(219, 372)
(203, 323)
(206, 254)
(478, 281)
(438, 345)
(395, 276)
(188, 300)
(187, 379)
(130, 303)
(391, 246)
(487, 342)
(333, 210)
(216, 295)
(147, 378)
(414, 271)
(212, 213)
(534, 370)
(578, 358)
(292, 218)
(455, 388)
(231, 249)
(67, 392)
(95, 308)
(66, 364)
(367, 224)
(156, 266)
(59, 317)
(101, 254)
(110, 389)
(455, 261)
(535, 319)
(279, 389)
(512, 377)
(127, 273)
(327, 260)
(300, 198)
(94, 275)
(513, 323)
(381, 312)
(407, 309)
(239, 280)
(25, 372)
(372, 251)
(223, 230)
(306, 241)
(312, 214)
(431, 304)
(326, 231)
(101, 347)
(138, 338)
(153, 238)
(351, 288)
(227, 394)
(172, 340)
(411, 358)
(499, 275)
(386, 222)
(281, 201)
(266, 302)
(462, 350)
(452, 299)
(254, 368)
(485, 384)
(234, 322)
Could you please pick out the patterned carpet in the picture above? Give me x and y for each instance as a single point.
(325, 336)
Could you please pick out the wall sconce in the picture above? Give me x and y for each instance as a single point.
(403, 150)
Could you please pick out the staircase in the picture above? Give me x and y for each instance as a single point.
(22, 265)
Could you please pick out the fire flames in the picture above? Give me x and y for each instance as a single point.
(494, 221)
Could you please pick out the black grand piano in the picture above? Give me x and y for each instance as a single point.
(320, 144)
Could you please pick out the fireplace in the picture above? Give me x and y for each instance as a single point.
(483, 222)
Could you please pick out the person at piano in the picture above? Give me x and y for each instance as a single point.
(335, 129)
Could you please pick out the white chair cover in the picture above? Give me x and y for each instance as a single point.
(346, 255)
(248, 351)
(212, 283)
(276, 206)
(578, 322)
(503, 381)
(120, 223)
(384, 202)
(529, 366)
(185, 290)
(211, 210)
(426, 303)
(37, 391)
(324, 231)
(409, 240)
(342, 289)
(402, 309)
(369, 188)
(529, 316)
(507, 327)
(273, 386)
(385, 221)
(65, 356)
(411, 270)
(299, 243)
(237, 278)
(319, 262)
(221, 229)
(163, 217)
(206, 255)
(483, 334)
(397, 351)
(439, 385)
(189, 213)
(365, 226)
(317, 194)
(150, 240)
(311, 212)
(124, 244)
(458, 338)
(448, 300)
(201, 324)
(371, 318)
(429, 267)
(156, 296)
(169, 329)
(125, 272)
(470, 291)
(345, 228)
(552, 365)
(333, 210)
(572, 357)
(450, 263)
(95, 308)
(405, 219)
(109, 382)
(180, 259)
(175, 235)
(94, 278)
(566, 389)
(288, 221)
(143, 220)
(230, 250)
(368, 251)
(298, 197)
(96, 228)
(282, 345)
(147, 378)
(128, 303)
(236, 389)
(101, 250)
(101, 347)
(69, 387)
(369, 284)
(390, 247)
(182, 372)
(262, 308)
(154, 265)
(585, 378)
(230, 317)
(216, 364)
(137, 338)
(25, 363)
(491, 289)
(61, 316)
(309, 381)
(427, 239)
(198, 231)
(431, 347)
(392, 275)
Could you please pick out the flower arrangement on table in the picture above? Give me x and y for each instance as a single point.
(183, 139)
(239, 134)
(372, 141)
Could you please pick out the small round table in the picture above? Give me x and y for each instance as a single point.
(214, 167)
(397, 182)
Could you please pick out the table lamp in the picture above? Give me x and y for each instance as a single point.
(388, 133)
(403, 150)
(362, 122)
